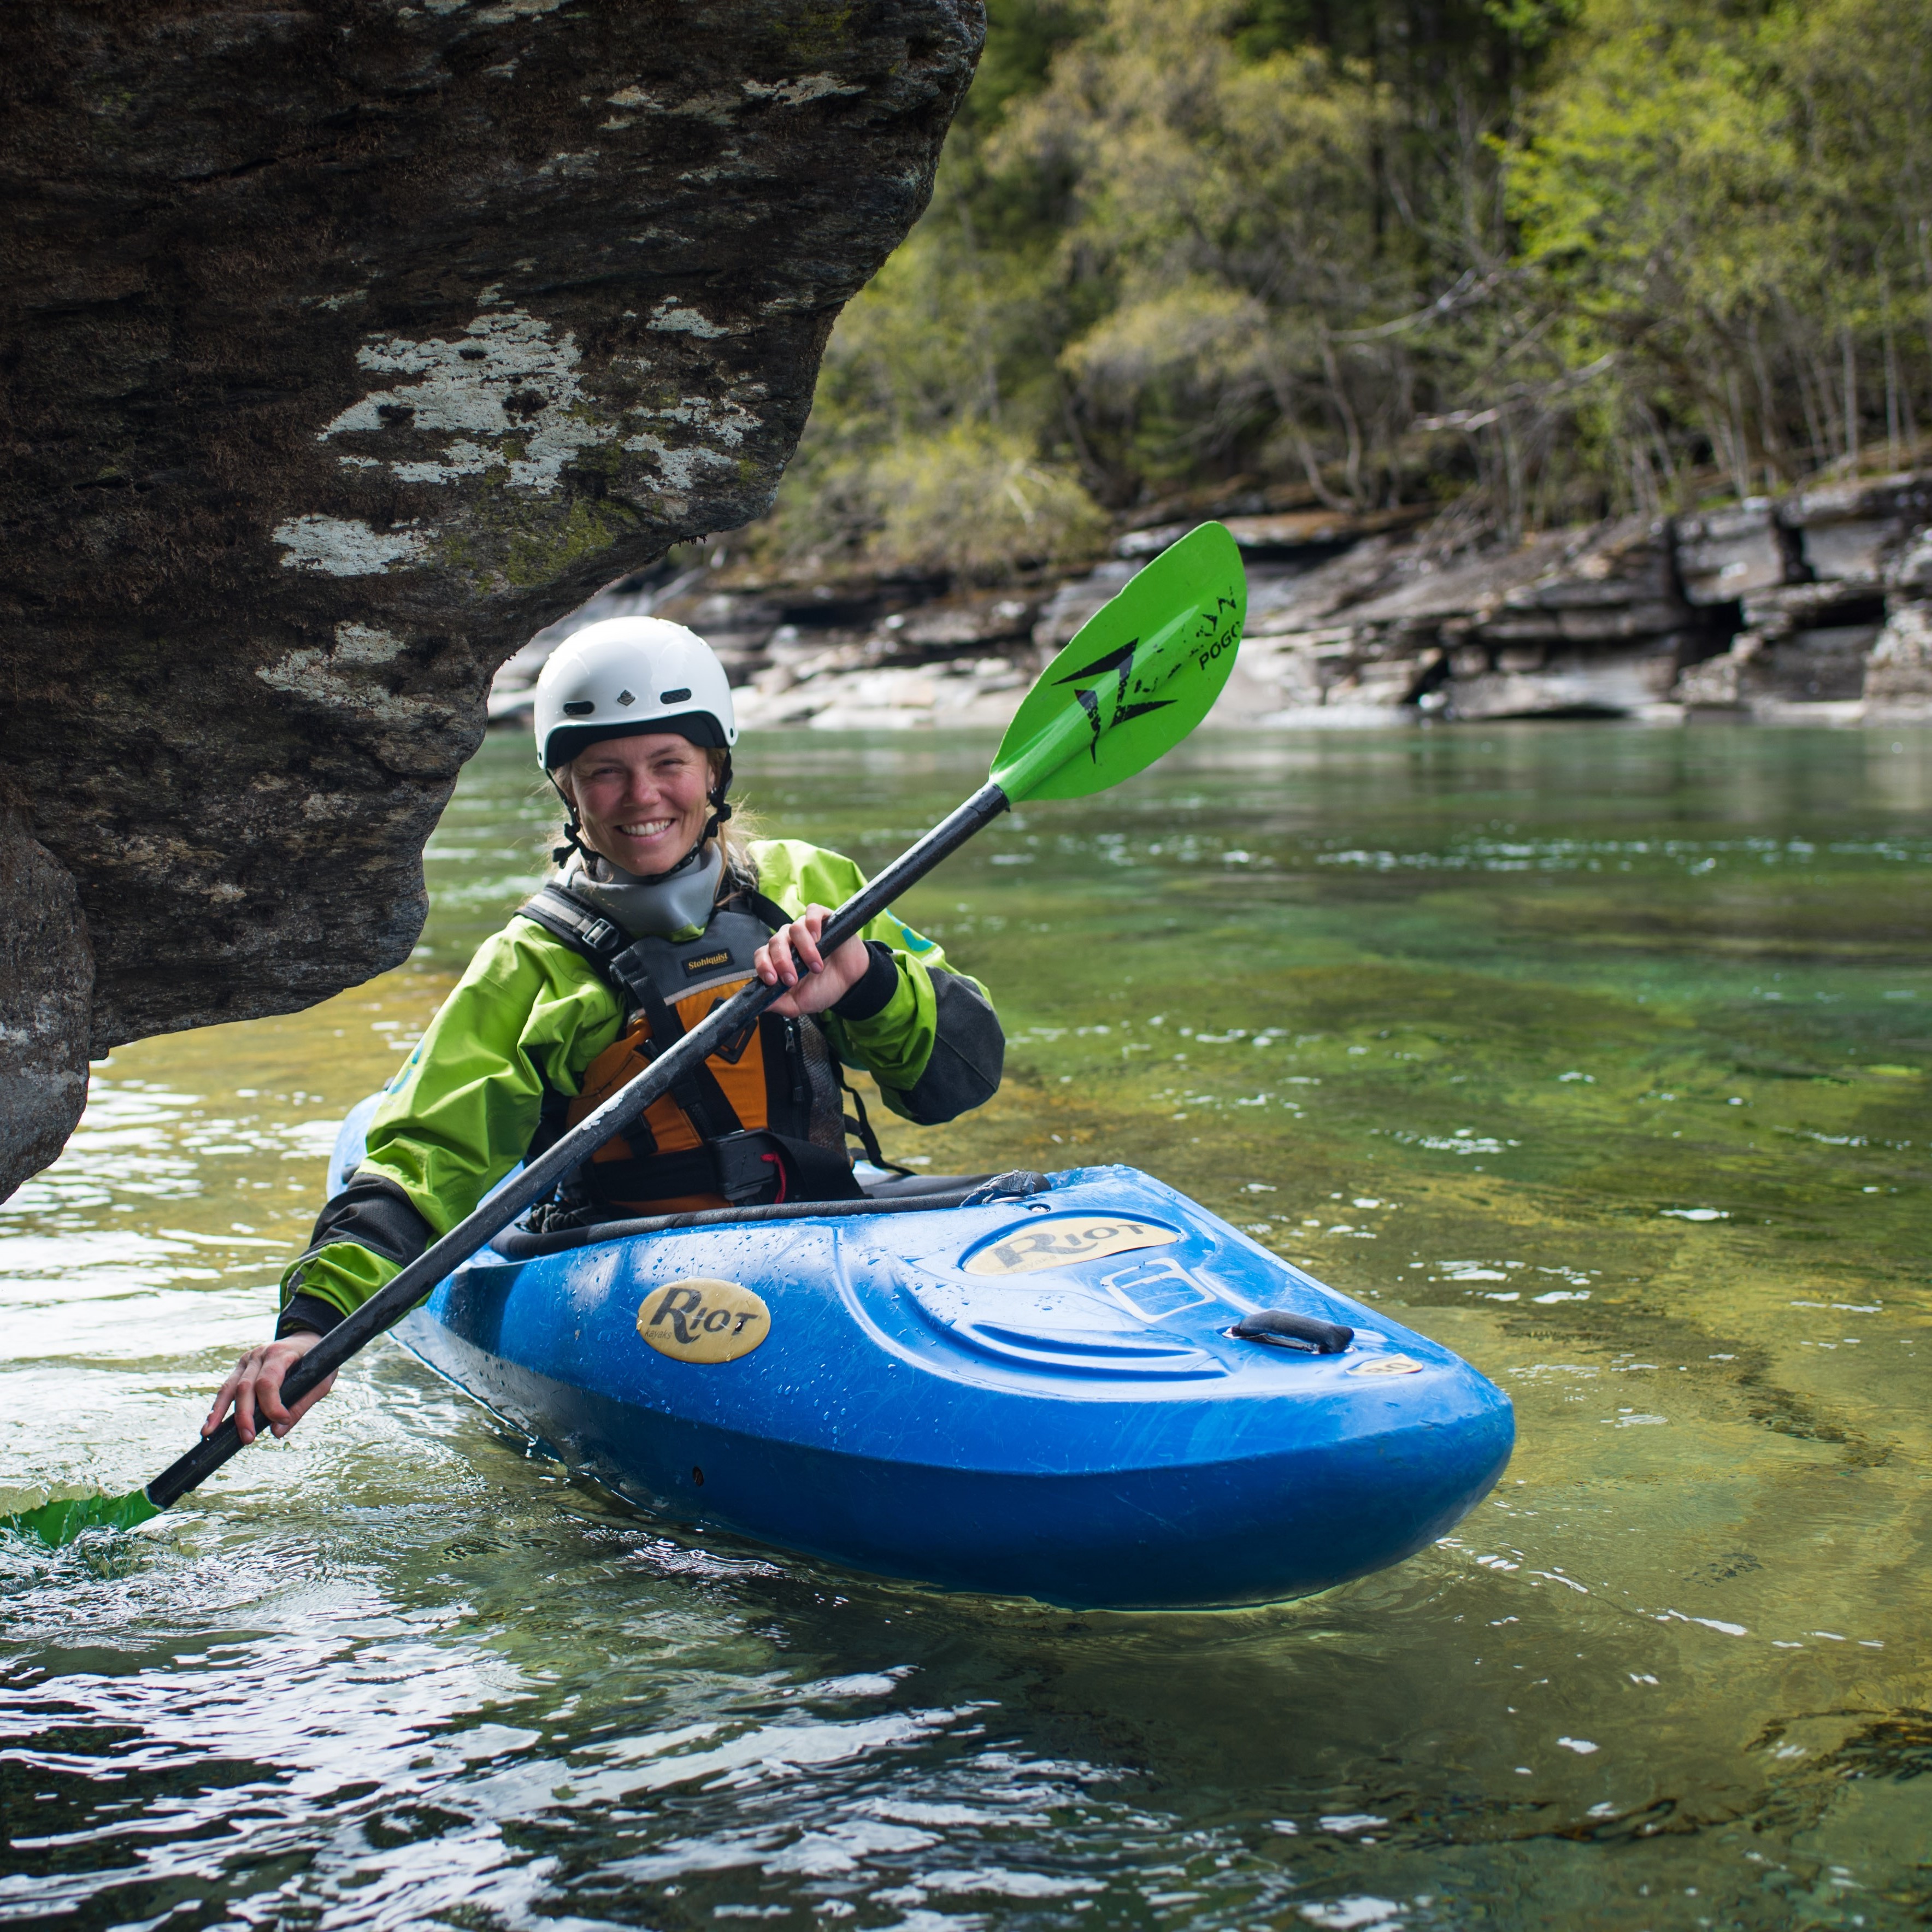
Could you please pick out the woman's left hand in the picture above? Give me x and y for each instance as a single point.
(255, 1388)
(791, 957)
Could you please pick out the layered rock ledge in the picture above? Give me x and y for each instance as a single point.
(1817, 608)
(347, 346)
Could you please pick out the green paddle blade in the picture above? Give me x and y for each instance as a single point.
(1139, 675)
(56, 1523)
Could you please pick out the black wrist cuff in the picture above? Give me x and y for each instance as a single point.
(307, 1314)
(869, 997)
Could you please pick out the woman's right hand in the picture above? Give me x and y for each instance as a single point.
(254, 1389)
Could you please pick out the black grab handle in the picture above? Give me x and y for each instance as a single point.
(1284, 1329)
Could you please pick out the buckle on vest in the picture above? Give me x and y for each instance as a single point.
(600, 934)
(751, 1168)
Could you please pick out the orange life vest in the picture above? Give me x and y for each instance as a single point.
(759, 1120)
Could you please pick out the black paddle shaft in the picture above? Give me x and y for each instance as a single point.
(540, 1178)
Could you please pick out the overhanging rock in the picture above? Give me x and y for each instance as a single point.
(352, 343)
(47, 979)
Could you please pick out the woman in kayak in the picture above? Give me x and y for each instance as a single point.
(660, 911)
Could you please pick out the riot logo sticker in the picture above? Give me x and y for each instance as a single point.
(702, 1321)
(1058, 1243)
(1386, 1365)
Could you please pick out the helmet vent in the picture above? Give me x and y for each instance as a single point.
(676, 696)
(627, 698)
(581, 707)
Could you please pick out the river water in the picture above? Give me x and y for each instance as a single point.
(1599, 1055)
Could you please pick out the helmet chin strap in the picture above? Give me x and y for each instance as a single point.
(720, 806)
(721, 810)
(571, 843)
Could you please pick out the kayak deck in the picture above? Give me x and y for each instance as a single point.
(1035, 1394)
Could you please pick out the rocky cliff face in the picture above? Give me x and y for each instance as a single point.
(348, 345)
(1831, 586)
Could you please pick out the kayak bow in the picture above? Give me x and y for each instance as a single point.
(1084, 1388)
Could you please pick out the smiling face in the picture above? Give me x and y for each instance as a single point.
(642, 801)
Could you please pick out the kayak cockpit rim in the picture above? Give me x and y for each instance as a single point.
(925, 1195)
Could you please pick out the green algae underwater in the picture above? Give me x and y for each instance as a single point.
(1601, 1055)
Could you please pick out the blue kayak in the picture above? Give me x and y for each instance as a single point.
(1037, 1389)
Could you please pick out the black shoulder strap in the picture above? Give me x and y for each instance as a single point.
(746, 897)
(857, 1122)
(588, 933)
(698, 1092)
(585, 930)
(581, 926)
(611, 952)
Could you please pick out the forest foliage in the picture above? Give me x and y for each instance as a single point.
(1539, 259)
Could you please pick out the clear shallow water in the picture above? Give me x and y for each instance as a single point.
(1601, 1055)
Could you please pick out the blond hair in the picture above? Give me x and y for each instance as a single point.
(737, 833)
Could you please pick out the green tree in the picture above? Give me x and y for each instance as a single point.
(1551, 256)
(1714, 199)
(935, 441)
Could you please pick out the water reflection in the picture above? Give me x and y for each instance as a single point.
(1599, 1055)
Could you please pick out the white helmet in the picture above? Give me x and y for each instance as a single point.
(626, 676)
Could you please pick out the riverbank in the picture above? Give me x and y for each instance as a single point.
(1815, 608)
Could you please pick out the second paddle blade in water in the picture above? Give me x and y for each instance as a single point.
(60, 1522)
(1140, 674)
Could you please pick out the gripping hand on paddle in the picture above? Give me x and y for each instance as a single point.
(791, 955)
(254, 1386)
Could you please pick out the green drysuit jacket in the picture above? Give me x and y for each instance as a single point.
(529, 1012)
